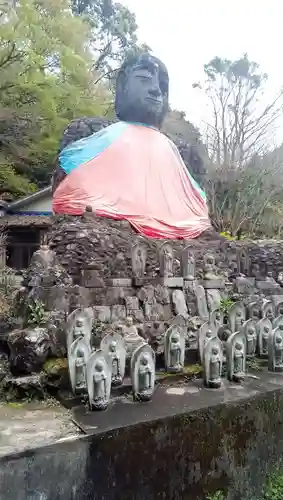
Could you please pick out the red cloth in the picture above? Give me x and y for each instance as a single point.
(141, 178)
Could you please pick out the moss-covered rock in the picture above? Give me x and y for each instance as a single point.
(55, 373)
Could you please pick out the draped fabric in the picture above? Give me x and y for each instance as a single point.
(135, 173)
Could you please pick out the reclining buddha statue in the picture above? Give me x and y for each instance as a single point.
(130, 170)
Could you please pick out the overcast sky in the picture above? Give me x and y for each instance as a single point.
(185, 35)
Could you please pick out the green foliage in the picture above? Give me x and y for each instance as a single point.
(218, 495)
(274, 488)
(225, 305)
(47, 79)
(35, 313)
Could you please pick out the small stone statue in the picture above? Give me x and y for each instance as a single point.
(139, 255)
(78, 355)
(209, 267)
(216, 319)
(206, 332)
(254, 311)
(166, 260)
(79, 324)
(278, 322)
(114, 345)
(143, 372)
(213, 359)
(99, 367)
(267, 309)
(275, 350)
(131, 336)
(188, 264)
(236, 356)
(174, 353)
(264, 329)
(249, 329)
(279, 309)
(236, 316)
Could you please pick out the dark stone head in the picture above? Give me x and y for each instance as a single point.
(142, 90)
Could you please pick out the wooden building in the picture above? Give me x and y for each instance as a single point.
(24, 223)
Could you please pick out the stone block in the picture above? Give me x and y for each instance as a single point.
(179, 302)
(91, 279)
(118, 313)
(267, 286)
(121, 282)
(173, 282)
(245, 286)
(132, 303)
(215, 283)
(102, 313)
(213, 298)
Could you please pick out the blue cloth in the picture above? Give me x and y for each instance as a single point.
(86, 149)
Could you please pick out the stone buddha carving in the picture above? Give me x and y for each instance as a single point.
(92, 167)
(143, 373)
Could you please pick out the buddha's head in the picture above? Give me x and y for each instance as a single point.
(142, 90)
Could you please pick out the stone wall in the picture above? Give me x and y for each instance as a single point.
(230, 447)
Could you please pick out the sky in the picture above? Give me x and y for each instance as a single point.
(186, 35)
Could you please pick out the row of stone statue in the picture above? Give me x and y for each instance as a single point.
(166, 260)
(95, 371)
(187, 263)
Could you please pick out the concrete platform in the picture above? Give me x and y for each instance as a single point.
(29, 426)
(176, 399)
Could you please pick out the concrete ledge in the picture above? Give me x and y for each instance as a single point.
(227, 439)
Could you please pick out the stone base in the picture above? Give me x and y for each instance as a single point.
(203, 427)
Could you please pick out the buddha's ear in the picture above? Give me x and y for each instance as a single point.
(119, 94)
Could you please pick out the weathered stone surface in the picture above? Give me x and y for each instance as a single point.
(201, 302)
(245, 285)
(213, 299)
(213, 283)
(79, 296)
(132, 303)
(91, 279)
(55, 326)
(102, 313)
(58, 298)
(121, 282)
(118, 313)
(266, 285)
(179, 303)
(31, 386)
(29, 349)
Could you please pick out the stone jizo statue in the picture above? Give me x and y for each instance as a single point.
(249, 329)
(213, 359)
(236, 357)
(188, 264)
(264, 329)
(92, 167)
(114, 345)
(275, 350)
(78, 355)
(79, 324)
(236, 316)
(99, 371)
(143, 372)
(139, 255)
(166, 260)
(174, 353)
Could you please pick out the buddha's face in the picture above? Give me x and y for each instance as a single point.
(142, 91)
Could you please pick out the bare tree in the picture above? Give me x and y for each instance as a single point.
(241, 124)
